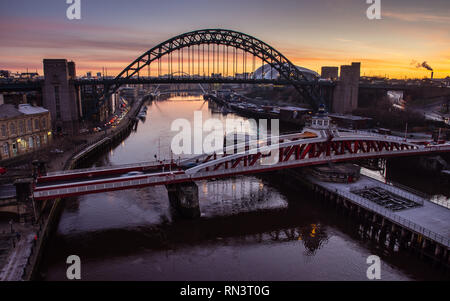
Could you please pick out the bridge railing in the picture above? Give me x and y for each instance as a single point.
(256, 144)
(409, 189)
(241, 145)
(75, 171)
(167, 178)
(332, 157)
(285, 136)
(198, 171)
(444, 203)
(391, 137)
(371, 134)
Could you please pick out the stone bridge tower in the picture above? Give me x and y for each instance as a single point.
(345, 96)
(60, 96)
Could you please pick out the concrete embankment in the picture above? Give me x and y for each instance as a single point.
(83, 152)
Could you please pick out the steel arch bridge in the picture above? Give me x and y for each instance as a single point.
(219, 37)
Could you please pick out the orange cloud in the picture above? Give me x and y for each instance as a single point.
(415, 17)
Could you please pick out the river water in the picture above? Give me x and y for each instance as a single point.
(251, 227)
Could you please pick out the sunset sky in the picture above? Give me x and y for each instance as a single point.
(112, 33)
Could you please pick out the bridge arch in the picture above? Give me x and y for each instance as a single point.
(230, 38)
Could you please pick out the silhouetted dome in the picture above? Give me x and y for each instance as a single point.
(274, 74)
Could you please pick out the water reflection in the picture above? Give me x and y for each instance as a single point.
(251, 228)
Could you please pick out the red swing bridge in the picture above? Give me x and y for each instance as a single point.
(317, 144)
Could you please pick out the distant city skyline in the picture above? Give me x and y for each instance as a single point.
(311, 34)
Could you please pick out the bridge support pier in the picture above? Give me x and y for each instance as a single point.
(183, 198)
(23, 192)
(39, 168)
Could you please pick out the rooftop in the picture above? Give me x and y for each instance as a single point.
(30, 110)
(8, 111)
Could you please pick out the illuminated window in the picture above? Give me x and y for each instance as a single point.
(22, 145)
(31, 142)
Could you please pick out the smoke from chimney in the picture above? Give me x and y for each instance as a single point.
(420, 65)
(424, 65)
(428, 67)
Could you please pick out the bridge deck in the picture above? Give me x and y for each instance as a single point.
(293, 150)
(430, 220)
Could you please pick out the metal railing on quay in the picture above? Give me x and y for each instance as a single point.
(395, 218)
(33, 252)
(437, 201)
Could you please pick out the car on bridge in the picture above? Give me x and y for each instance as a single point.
(189, 165)
(132, 173)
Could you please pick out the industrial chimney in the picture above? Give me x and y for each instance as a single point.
(432, 74)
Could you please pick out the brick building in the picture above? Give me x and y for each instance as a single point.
(23, 129)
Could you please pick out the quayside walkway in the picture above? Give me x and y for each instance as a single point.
(428, 219)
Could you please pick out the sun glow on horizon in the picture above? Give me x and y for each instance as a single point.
(97, 42)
